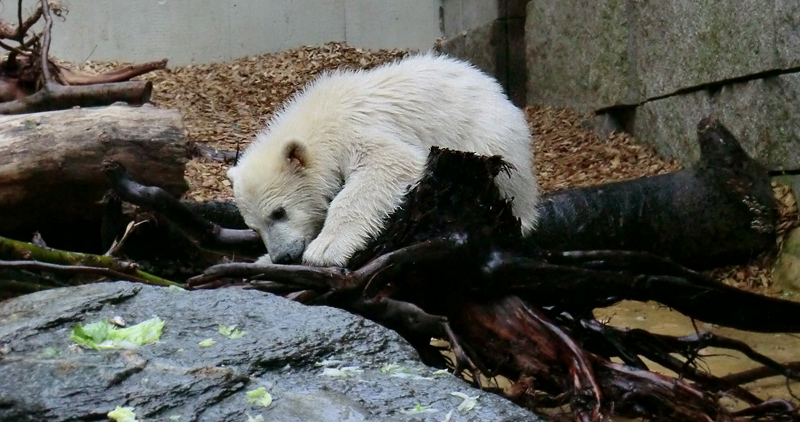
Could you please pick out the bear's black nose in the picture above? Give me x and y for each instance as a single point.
(283, 259)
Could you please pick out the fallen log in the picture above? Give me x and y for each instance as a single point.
(58, 97)
(30, 82)
(51, 168)
(720, 211)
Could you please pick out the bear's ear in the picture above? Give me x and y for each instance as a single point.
(295, 154)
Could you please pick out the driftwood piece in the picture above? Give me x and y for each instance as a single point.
(203, 233)
(30, 82)
(58, 97)
(51, 169)
(718, 212)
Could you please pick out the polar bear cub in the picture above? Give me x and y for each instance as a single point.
(318, 183)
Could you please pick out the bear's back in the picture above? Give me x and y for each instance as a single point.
(424, 100)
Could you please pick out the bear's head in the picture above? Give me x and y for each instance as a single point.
(280, 196)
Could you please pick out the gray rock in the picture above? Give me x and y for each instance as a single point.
(596, 55)
(763, 114)
(604, 125)
(786, 272)
(174, 376)
(787, 37)
(578, 54)
(463, 15)
(670, 125)
(686, 43)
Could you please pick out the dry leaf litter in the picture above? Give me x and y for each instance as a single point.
(224, 104)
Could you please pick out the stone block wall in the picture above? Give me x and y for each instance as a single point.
(491, 35)
(657, 67)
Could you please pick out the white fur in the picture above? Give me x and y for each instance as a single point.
(362, 139)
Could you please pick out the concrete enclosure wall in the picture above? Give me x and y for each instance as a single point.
(186, 31)
(657, 67)
(490, 34)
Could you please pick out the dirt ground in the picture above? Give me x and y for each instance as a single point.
(225, 104)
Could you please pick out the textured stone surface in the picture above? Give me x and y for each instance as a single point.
(491, 34)
(787, 36)
(685, 43)
(283, 343)
(578, 54)
(594, 55)
(763, 114)
(463, 15)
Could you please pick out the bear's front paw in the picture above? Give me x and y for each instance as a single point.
(328, 251)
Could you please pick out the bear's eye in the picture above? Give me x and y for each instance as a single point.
(279, 213)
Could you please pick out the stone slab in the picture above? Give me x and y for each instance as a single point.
(463, 15)
(578, 54)
(681, 44)
(285, 346)
(763, 114)
(596, 55)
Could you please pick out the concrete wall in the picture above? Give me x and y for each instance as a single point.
(490, 34)
(657, 67)
(198, 31)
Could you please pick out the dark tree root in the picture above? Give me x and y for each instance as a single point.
(538, 344)
(756, 374)
(203, 233)
(451, 265)
(720, 211)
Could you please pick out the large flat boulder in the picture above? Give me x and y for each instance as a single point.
(285, 348)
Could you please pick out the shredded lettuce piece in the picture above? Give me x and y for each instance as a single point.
(207, 342)
(468, 402)
(231, 332)
(122, 414)
(104, 335)
(419, 408)
(259, 396)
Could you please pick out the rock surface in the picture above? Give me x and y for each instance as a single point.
(578, 54)
(763, 114)
(625, 52)
(283, 344)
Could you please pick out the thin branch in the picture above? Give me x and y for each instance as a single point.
(756, 374)
(20, 32)
(73, 270)
(205, 234)
(27, 252)
(48, 27)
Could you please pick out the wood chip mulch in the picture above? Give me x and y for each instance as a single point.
(225, 104)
